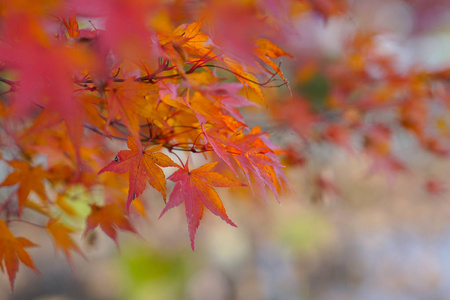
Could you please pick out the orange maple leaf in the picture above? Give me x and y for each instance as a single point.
(29, 179)
(269, 49)
(109, 218)
(187, 37)
(12, 251)
(129, 100)
(71, 25)
(61, 237)
(194, 188)
(265, 50)
(142, 165)
(245, 77)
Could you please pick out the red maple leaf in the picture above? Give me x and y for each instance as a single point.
(194, 188)
(255, 155)
(142, 166)
(264, 167)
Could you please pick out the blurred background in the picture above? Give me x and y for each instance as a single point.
(346, 228)
(375, 239)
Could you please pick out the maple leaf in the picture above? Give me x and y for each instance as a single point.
(254, 153)
(129, 100)
(12, 251)
(29, 179)
(194, 188)
(187, 38)
(141, 165)
(83, 108)
(61, 237)
(234, 26)
(196, 39)
(231, 100)
(71, 25)
(205, 109)
(246, 78)
(265, 50)
(45, 71)
(219, 143)
(109, 217)
(266, 169)
(126, 30)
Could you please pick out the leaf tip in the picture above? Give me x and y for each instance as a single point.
(192, 238)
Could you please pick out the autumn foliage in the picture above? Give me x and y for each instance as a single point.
(102, 100)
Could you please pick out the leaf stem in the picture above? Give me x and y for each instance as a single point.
(7, 81)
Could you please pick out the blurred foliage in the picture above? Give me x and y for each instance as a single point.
(153, 274)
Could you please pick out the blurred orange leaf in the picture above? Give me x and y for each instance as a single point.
(29, 179)
(109, 218)
(62, 239)
(12, 251)
(72, 26)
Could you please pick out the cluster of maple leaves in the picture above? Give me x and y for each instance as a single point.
(77, 75)
(81, 81)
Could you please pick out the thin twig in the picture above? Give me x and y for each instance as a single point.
(243, 77)
(7, 81)
(96, 130)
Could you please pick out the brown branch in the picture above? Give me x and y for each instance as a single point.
(96, 130)
(264, 84)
